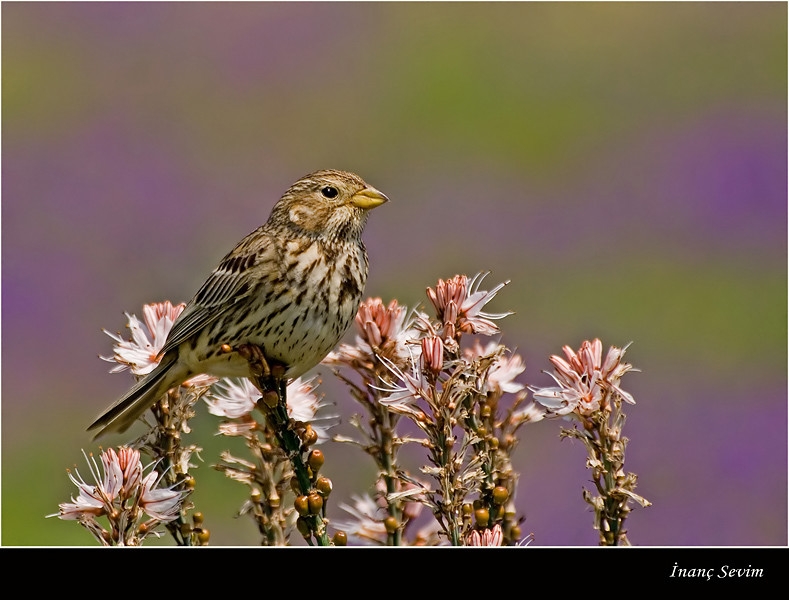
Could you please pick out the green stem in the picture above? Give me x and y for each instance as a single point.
(291, 443)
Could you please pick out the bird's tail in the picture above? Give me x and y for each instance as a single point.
(118, 417)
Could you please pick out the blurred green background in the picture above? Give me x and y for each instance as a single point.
(624, 164)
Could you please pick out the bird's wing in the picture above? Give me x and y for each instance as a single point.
(224, 287)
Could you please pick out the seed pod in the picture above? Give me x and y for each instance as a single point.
(315, 502)
(391, 524)
(482, 517)
(500, 494)
(315, 460)
(324, 486)
(309, 436)
(340, 538)
(302, 505)
(304, 527)
(271, 399)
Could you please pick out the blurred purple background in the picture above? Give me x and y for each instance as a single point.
(624, 164)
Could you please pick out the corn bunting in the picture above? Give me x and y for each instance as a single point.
(291, 288)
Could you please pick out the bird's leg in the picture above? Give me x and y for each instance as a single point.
(258, 365)
(268, 374)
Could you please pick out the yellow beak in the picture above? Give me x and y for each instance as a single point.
(368, 198)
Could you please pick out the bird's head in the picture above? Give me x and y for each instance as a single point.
(329, 203)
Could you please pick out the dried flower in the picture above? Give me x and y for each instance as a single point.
(503, 371)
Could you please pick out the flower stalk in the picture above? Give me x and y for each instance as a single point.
(589, 392)
(295, 441)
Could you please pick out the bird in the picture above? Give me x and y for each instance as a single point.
(291, 289)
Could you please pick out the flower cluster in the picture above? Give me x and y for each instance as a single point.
(459, 302)
(589, 391)
(134, 504)
(487, 537)
(453, 394)
(587, 383)
(383, 330)
(140, 354)
(426, 382)
(162, 441)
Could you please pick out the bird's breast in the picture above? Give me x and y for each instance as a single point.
(300, 313)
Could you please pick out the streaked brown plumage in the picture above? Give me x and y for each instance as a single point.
(291, 287)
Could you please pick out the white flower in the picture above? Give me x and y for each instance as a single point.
(235, 398)
(161, 504)
(141, 352)
(232, 398)
(367, 519)
(414, 384)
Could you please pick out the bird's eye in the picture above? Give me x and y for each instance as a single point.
(329, 191)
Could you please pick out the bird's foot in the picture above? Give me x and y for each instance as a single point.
(258, 364)
(268, 374)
